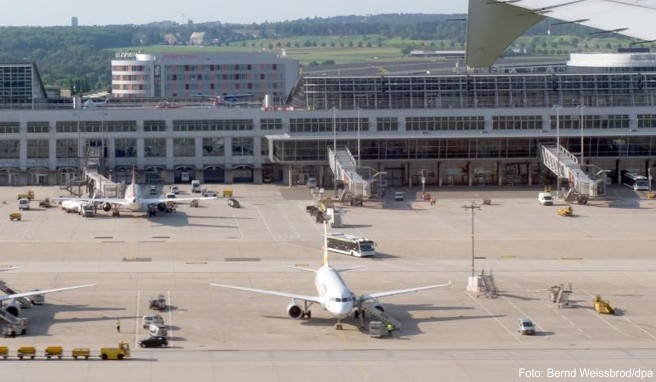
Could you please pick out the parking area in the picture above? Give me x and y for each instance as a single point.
(604, 248)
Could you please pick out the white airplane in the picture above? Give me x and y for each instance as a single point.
(334, 295)
(133, 200)
(13, 307)
(91, 104)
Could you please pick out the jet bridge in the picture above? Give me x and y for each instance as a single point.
(584, 182)
(344, 167)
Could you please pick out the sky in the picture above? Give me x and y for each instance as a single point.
(112, 12)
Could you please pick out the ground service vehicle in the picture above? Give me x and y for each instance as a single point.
(399, 196)
(312, 182)
(23, 204)
(351, 245)
(26, 351)
(154, 342)
(120, 352)
(525, 326)
(157, 330)
(15, 216)
(636, 181)
(151, 319)
(81, 352)
(87, 210)
(54, 351)
(175, 190)
(545, 199)
(195, 186)
(152, 190)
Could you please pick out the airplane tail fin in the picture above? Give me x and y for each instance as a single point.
(325, 244)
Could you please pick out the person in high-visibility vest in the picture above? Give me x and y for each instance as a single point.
(390, 327)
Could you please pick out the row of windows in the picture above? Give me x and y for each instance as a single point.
(313, 125)
(218, 77)
(444, 123)
(126, 147)
(96, 126)
(465, 148)
(517, 122)
(213, 125)
(306, 125)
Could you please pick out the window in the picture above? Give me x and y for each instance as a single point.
(184, 147)
(155, 148)
(125, 148)
(213, 147)
(242, 146)
(37, 149)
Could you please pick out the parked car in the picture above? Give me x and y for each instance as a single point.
(525, 326)
(211, 194)
(399, 196)
(175, 190)
(154, 342)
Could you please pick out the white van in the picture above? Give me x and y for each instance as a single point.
(312, 182)
(195, 186)
(23, 204)
(545, 199)
(157, 330)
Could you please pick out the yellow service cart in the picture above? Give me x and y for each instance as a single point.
(15, 216)
(227, 193)
(566, 211)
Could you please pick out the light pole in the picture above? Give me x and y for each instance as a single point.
(581, 106)
(335, 145)
(472, 206)
(358, 137)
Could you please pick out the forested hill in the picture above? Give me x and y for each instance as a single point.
(83, 54)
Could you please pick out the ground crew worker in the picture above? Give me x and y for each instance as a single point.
(390, 327)
(118, 326)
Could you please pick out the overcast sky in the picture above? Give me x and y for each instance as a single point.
(106, 12)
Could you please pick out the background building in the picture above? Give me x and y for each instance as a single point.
(184, 75)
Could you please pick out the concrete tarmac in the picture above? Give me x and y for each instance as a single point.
(448, 334)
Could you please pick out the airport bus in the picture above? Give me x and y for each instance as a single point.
(351, 245)
(635, 181)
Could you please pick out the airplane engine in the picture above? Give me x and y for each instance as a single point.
(107, 207)
(13, 308)
(379, 307)
(161, 207)
(294, 311)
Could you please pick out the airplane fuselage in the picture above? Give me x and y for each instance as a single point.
(336, 297)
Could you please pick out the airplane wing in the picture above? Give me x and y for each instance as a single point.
(273, 293)
(401, 291)
(493, 25)
(175, 200)
(8, 269)
(38, 292)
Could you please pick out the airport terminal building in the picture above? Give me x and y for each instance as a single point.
(456, 129)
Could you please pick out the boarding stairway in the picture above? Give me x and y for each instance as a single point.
(490, 287)
(582, 185)
(344, 167)
(23, 301)
(560, 295)
(373, 313)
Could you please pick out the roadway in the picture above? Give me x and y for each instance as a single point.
(448, 334)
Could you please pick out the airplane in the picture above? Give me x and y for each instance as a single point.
(492, 25)
(334, 295)
(133, 200)
(13, 307)
(91, 104)
(231, 100)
